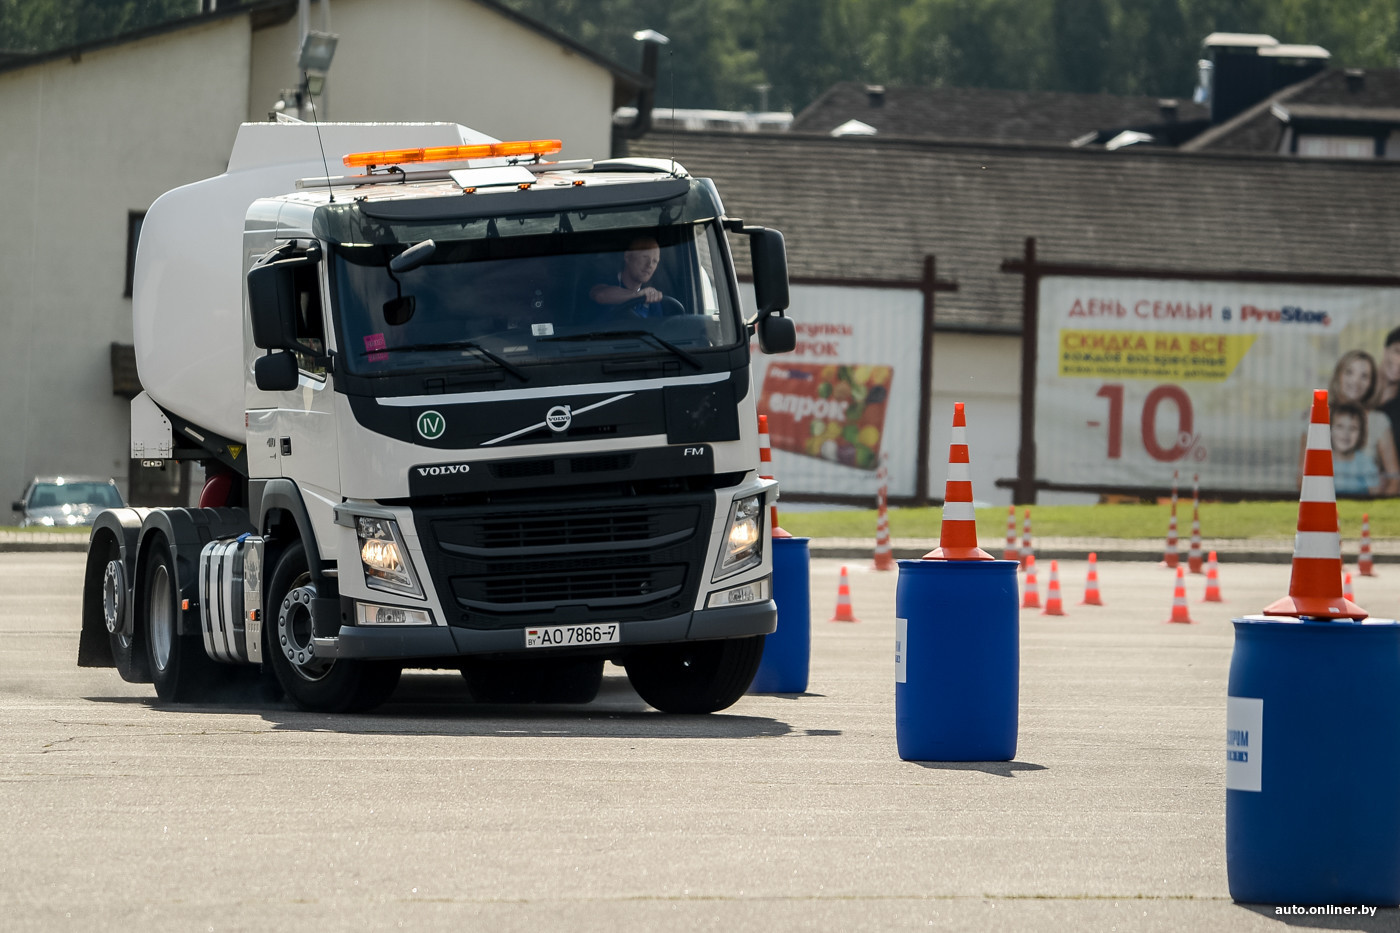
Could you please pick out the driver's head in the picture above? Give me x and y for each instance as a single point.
(641, 259)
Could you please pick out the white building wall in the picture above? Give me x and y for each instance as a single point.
(984, 372)
(443, 60)
(83, 143)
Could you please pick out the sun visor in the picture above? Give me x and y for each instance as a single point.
(535, 200)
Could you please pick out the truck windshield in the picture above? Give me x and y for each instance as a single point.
(507, 302)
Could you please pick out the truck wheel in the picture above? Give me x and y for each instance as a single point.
(695, 677)
(128, 649)
(549, 680)
(105, 617)
(315, 684)
(180, 669)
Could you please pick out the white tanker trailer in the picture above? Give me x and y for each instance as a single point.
(464, 408)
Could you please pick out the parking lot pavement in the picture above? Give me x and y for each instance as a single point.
(783, 812)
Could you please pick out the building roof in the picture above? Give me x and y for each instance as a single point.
(272, 12)
(1345, 94)
(871, 208)
(984, 113)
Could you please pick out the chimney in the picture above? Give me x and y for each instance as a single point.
(875, 95)
(646, 96)
(1246, 68)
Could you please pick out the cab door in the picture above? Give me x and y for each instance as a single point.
(292, 430)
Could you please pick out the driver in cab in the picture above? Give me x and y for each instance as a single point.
(638, 266)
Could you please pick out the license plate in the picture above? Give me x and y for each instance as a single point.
(563, 636)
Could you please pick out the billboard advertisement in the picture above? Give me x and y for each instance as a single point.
(848, 394)
(1136, 378)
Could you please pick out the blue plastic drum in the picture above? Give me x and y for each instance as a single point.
(957, 660)
(1312, 770)
(787, 653)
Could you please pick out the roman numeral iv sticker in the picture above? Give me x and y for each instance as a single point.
(431, 424)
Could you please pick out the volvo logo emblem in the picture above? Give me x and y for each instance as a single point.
(431, 425)
(559, 418)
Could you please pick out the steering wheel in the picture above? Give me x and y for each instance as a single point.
(666, 307)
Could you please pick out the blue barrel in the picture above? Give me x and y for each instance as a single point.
(957, 660)
(1312, 770)
(787, 653)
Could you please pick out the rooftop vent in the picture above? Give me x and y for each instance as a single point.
(1127, 138)
(875, 94)
(854, 128)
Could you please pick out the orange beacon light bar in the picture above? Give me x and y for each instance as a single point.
(523, 147)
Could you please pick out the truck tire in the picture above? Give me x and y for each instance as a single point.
(180, 669)
(695, 677)
(548, 680)
(315, 684)
(104, 641)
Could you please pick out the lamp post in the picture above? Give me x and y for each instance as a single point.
(313, 61)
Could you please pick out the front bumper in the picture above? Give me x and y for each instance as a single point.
(439, 641)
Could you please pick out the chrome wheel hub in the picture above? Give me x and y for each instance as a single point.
(294, 634)
(114, 599)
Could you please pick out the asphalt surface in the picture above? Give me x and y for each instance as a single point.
(782, 813)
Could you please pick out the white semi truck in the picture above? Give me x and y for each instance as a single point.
(430, 439)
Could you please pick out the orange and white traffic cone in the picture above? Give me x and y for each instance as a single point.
(957, 539)
(1054, 606)
(884, 556)
(1010, 552)
(765, 471)
(1194, 561)
(1347, 592)
(1091, 584)
(1212, 581)
(1364, 566)
(1170, 558)
(1027, 550)
(844, 611)
(1315, 588)
(1031, 598)
(1179, 611)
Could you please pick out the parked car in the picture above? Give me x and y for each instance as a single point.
(66, 500)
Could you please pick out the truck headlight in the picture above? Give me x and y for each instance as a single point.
(384, 557)
(743, 548)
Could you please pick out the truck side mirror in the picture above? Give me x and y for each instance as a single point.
(770, 274)
(272, 300)
(777, 334)
(17, 505)
(276, 372)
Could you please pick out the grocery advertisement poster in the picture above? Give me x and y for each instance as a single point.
(848, 393)
(832, 411)
(1136, 378)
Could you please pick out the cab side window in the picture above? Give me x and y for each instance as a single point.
(311, 328)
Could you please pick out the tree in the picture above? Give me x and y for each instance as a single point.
(41, 25)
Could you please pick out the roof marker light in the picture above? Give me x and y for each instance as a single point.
(523, 147)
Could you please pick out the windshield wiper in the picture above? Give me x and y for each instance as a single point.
(505, 364)
(686, 355)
